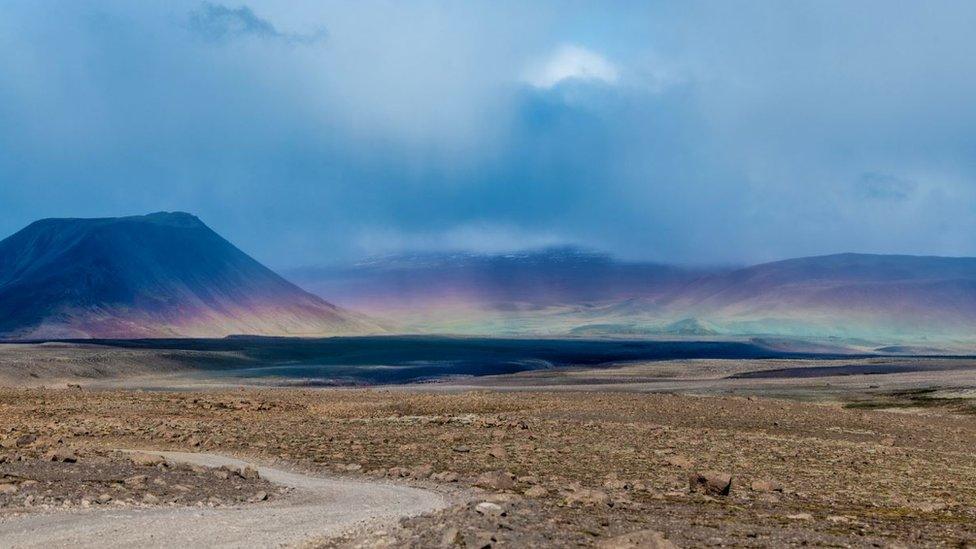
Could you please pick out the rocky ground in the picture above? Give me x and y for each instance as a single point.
(545, 468)
(40, 473)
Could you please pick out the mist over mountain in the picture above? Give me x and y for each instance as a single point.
(529, 279)
(571, 291)
(844, 294)
(158, 275)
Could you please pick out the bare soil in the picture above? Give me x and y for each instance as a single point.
(567, 468)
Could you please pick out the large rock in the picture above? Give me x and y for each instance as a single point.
(710, 482)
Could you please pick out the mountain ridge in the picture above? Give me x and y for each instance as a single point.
(165, 274)
(835, 295)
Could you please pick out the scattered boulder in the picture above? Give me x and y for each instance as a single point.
(136, 481)
(23, 441)
(498, 452)
(62, 455)
(766, 486)
(103, 499)
(451, 537)
(495, 480)
(711, 483)
(588, 496)
(250, 473)
(445, 476)
(397, 472)
(536, 492)
(490, 509)
(8, 489)
(800, 516)
(641, 539)
(461, 449)
(422, 471)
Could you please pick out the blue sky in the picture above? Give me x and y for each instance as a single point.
(309, 132)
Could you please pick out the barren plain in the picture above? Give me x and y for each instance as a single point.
(682, 453)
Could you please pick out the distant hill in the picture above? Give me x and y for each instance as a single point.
(843, 294)
(532, 279)
(158, 275)
(881, 298)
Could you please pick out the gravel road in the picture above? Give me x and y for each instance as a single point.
(317, 507)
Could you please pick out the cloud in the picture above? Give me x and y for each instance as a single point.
(479, 236)
(882, 186)
(220, 23)
(692, 131)
(570, 62)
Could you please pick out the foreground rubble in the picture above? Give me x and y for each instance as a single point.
(564, 469)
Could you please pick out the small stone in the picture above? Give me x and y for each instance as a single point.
(8, 489)
(461, 449)
(495, 480)
(61, 454)
(451, 537)
(135, 481)
(24, 440)
(838, 519)
(150, 499)
(249, 473)
(260, 496)
(445, 476)
(146, 460)
(587, 496)
(103, 499)
(422, 471)
(490, 509)
(766, 486)
(498, 452)
(710, 483)
(641, 539)
(536, 492)
(800, 516)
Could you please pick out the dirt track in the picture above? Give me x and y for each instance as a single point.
(317, 507)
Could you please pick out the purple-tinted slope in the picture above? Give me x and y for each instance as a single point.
(164, 274)
(885, 291)
(542, 278)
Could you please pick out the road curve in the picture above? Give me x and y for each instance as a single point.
(317, 507)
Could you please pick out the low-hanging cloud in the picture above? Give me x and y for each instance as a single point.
(219, 23)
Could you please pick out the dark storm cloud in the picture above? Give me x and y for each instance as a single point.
(697, 132)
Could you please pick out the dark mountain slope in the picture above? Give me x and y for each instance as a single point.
(164, 274)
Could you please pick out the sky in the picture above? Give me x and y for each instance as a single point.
(317, 132)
